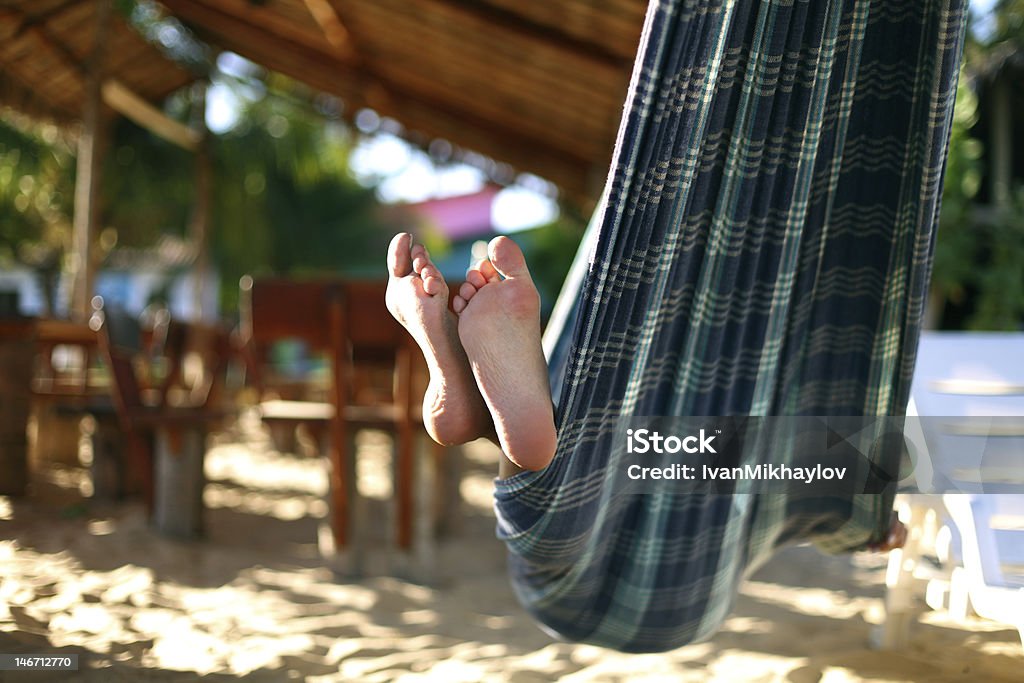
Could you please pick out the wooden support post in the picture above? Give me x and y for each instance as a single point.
(178, 499)
(87, 180)
(340, 454)
(200, 222)
(404, 466)
(16, 350)
(100, 447)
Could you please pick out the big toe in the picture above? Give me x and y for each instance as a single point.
(507, 258)
(399, 260)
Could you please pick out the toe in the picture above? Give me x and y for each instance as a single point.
(458, 304)
(433, 281)
(420, 258)
(432, 285)
(466, 291)
(399, 260)
(488, 271)
(476, 278)
(507, 258)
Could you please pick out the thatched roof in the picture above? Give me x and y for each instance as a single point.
(539, 85)
(45, 46)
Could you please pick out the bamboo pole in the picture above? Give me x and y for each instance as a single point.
(200, 221)
(87, 180)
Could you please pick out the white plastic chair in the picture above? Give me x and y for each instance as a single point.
(975, 539)
(991, 529)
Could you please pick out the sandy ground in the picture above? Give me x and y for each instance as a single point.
(253, 601)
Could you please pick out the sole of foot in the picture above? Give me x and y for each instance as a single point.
(499, 326)
(417, 296)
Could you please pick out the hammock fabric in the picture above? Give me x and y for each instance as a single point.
(764, 249)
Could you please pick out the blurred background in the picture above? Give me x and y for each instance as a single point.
(180, 159)
(303, 181)
(291, 180)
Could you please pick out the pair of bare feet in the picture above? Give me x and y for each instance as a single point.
(488, 376)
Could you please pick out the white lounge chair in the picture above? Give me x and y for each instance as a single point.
(991, 529)
(964, 550)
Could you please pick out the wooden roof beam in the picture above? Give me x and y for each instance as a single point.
(28, 22)
(508, 20)
(425, 94)
(362, 86)
(222, 16)
(330, 23)
(301, 61)
(121, 99)
(28, 94)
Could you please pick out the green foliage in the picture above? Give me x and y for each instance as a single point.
(999, 281)
(36, 196)
(36, 186)
(956, 249)
(285, 201)
(979, 254)
(1009, 15)
(148, 187)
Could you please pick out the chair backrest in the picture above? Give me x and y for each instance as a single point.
(78, 342)
(180, 343)
(124, 343)
(348, 319)
(275, 309)
(969, 375)
(120, 341)
(211, 343)
(371, 328)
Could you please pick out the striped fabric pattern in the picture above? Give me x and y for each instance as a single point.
(764, 249)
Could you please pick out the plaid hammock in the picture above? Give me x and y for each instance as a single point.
(764, 249)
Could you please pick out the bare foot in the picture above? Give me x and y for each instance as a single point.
(499, 325)
(417, 296)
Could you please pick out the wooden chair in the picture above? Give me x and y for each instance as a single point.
(71, 400)
(57, 382)
(348, 320)
(173, 343)
(150, 424)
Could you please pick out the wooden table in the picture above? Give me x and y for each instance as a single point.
(30, 381)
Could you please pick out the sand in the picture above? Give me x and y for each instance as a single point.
(253, 601)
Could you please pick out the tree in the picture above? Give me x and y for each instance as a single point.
(978, 277)
(36, 196)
